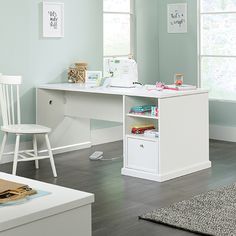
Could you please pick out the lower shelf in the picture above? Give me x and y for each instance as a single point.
(141, 136)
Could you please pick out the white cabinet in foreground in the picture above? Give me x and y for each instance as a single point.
(62, 212)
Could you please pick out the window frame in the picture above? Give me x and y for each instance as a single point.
(201, 55)
(132, 30)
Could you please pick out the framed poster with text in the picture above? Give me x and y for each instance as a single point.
(177, 18)
(53, 19)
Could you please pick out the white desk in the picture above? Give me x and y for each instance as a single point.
(183, 123)
(63, 212)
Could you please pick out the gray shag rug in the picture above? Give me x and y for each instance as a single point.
(211, 213)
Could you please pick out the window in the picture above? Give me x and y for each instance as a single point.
(218, 48)
(117, 18)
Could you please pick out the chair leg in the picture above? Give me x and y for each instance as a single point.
(3, 145)
(51, 156)
(35, 151)
(16, 154)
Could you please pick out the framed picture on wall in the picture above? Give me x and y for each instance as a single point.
(177, 18)
(53, 19)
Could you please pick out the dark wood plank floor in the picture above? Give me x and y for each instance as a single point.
(119, 199)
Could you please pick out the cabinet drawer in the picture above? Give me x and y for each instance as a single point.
(142, 155)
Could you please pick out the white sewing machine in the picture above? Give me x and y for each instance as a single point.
(121, 72)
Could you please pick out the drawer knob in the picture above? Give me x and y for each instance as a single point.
(141, 145)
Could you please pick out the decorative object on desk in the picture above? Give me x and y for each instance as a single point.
(160, 85)
(151, 87)
(140, 129)
(72, 75)
(93, 78)
(177, 18)
(211, 213)
(81, 68)
(53, 19)
(178, 79)
(12, 191)
(77, 74)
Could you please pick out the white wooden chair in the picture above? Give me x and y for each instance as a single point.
(10, 108)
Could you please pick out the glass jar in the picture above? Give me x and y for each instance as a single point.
(77, 73)
(81, 72)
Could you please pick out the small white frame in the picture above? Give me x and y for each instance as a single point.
(93, 78)
(177, 18)
(53, 19)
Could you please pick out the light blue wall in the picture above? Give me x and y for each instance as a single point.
(146, 35)
(39, 60)
(159, 54)
(223, 113)
(178, 52)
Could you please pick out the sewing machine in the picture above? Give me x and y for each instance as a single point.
(120, 72)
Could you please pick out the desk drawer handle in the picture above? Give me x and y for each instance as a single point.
(141, 145)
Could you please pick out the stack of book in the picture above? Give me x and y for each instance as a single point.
(151, 133)
(182, 87)
(141, 109)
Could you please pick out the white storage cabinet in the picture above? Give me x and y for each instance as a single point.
(141, 153)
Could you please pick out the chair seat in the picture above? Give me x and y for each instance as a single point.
(26, 129)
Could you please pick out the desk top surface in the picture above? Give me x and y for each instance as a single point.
(59, 200)
(139, 92)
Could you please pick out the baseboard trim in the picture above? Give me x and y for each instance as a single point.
(69, 148)
(167, 176)
(99, 136)
(140, 174)
(223, 133)
(185, 171)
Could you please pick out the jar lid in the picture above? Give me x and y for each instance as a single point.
(81, 64)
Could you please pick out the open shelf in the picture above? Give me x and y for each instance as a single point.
(146, 116)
